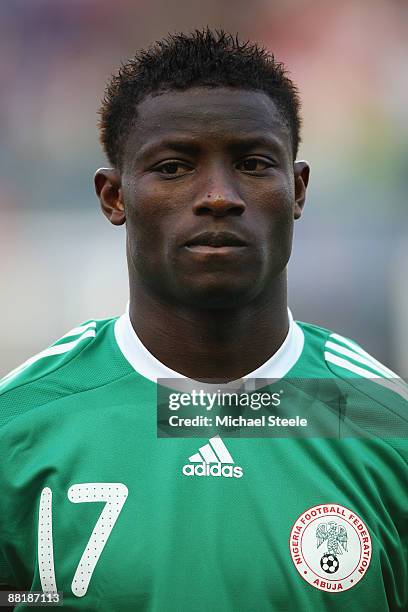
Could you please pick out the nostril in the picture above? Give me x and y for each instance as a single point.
(219, 204)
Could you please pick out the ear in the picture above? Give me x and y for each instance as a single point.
(108, 189)
(301, 172)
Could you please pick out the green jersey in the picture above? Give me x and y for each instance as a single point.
(94, 504)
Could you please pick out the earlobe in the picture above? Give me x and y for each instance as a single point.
(109, 191)
(301, 173)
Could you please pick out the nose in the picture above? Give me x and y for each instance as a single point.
(218, 197)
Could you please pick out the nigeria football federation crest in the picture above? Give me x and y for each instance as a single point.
(330, 547)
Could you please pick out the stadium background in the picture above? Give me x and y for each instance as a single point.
(61, 262)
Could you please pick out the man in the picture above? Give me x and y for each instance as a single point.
(202, 134)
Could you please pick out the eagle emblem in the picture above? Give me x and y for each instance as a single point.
(335, 535)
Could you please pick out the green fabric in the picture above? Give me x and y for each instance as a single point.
(185, 544)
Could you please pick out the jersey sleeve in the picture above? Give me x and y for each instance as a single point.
(377, 398)
(51, 358)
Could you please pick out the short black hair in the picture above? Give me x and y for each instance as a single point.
(203, 58)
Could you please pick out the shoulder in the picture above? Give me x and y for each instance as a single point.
(83, 358)
(347, 359)
(333, 355)
(374, 398)
(61, 352)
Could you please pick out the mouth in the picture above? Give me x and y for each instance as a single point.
(203, 249)
(208, 242)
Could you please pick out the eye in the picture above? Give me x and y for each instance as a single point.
(173, 168)
(254, 164)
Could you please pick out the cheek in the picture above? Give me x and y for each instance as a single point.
(283, 198)
(147, 236)
(278, 216)
(276, 210)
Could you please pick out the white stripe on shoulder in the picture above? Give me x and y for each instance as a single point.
(380, 369)
(76, 331)
(357, 349)
(57, 349)
(389, 383)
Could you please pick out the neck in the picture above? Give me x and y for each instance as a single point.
(205, 344)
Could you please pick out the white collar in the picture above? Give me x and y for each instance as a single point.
(148, 366)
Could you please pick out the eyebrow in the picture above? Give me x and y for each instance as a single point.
(248, 142)
(181, 145)
(188, 145)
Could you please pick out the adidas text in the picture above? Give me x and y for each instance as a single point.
(213, 469)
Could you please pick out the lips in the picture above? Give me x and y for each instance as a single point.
(216, 240)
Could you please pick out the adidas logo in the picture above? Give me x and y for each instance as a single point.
(212, 459)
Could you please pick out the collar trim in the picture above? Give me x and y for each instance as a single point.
(148, 366)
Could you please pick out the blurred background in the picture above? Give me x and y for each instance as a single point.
(61, 262)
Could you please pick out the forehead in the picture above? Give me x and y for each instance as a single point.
(208, 115)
